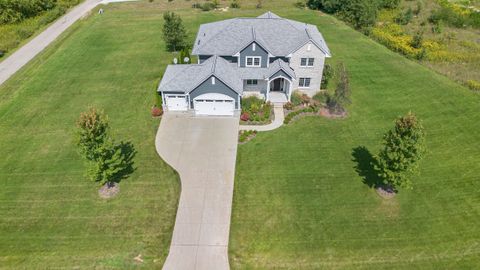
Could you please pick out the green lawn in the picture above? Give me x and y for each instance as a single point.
(50, 214)
(300, 201)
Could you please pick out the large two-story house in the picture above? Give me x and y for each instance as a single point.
(263, 56)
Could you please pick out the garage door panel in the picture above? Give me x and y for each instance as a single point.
(176, 102)
(214, 104)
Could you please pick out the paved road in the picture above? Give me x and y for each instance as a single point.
(18, 59)
(203, 150)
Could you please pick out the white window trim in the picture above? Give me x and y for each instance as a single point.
(213, 80)
(304, 87)
(253, 61)
(254, 47)
(252, 80)
(307, 63)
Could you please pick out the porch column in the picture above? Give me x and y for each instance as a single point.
(267, 96)
(290, 91)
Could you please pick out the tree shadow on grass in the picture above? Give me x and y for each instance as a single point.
(128, 152)
(365, 166)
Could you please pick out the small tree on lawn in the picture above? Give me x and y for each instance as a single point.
(92, 132)
(108, 162)
(341, 97)
(404, 146)
(174, 32)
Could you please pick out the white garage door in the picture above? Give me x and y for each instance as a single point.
(176, 102)
(214, 104)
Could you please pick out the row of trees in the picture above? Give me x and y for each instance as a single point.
(360, 13)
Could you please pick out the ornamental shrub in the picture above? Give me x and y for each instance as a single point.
(234, 4)
(473, 85)
(245, 116)
(328, 73)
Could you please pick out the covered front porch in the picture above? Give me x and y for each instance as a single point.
(279, 89)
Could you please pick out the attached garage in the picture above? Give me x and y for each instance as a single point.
(214, 104)
(176, 102)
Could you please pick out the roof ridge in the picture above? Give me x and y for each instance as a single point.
(214, 64)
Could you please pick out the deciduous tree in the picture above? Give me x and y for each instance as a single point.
(174, 32)
(404, 146)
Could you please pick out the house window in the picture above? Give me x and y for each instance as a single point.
(213, 80)
(252, 82)
(254, 47)
(307, 62)
(253, 61)
(304, 82)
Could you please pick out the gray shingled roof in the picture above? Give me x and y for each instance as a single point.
(185, 78)
(278, 35)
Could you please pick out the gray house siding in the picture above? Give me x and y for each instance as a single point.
(259, 51)
(231, 59)
(203, 58)
(219, 87)
(285, 59)
(280, 73)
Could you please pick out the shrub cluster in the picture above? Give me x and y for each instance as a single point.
(309, 109)
(455, 15)
(207, 6)
(17, 25)
(473, 85)
(255, 109)
(246, 134)
(14, 11)
(359, 13)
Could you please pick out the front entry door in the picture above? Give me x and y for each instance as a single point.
(278, 84)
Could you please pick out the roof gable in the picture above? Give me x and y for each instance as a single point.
(276, 35)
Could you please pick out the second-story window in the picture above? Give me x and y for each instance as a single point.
(253, 61)
(307, 62)
(252, 82)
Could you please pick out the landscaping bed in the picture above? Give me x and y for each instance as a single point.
(256, 111)
(245, 136)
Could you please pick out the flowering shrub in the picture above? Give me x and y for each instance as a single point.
(157, 111)
(245, 116)
(395, 41)
(255, 109)
(288, 106)
(474, 85)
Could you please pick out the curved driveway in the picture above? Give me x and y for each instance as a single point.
(203, 151)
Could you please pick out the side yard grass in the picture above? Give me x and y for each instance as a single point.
(50, 215)
(302, 192)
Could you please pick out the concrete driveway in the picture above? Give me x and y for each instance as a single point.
(203, 150)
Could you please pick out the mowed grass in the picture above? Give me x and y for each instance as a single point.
(50, 214)
(300, 201)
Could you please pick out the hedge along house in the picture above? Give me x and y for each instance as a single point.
(267, 56)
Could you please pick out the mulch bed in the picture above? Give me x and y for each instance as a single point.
(109, 191)
(299, 116)
(386, 192)
(327, 114)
